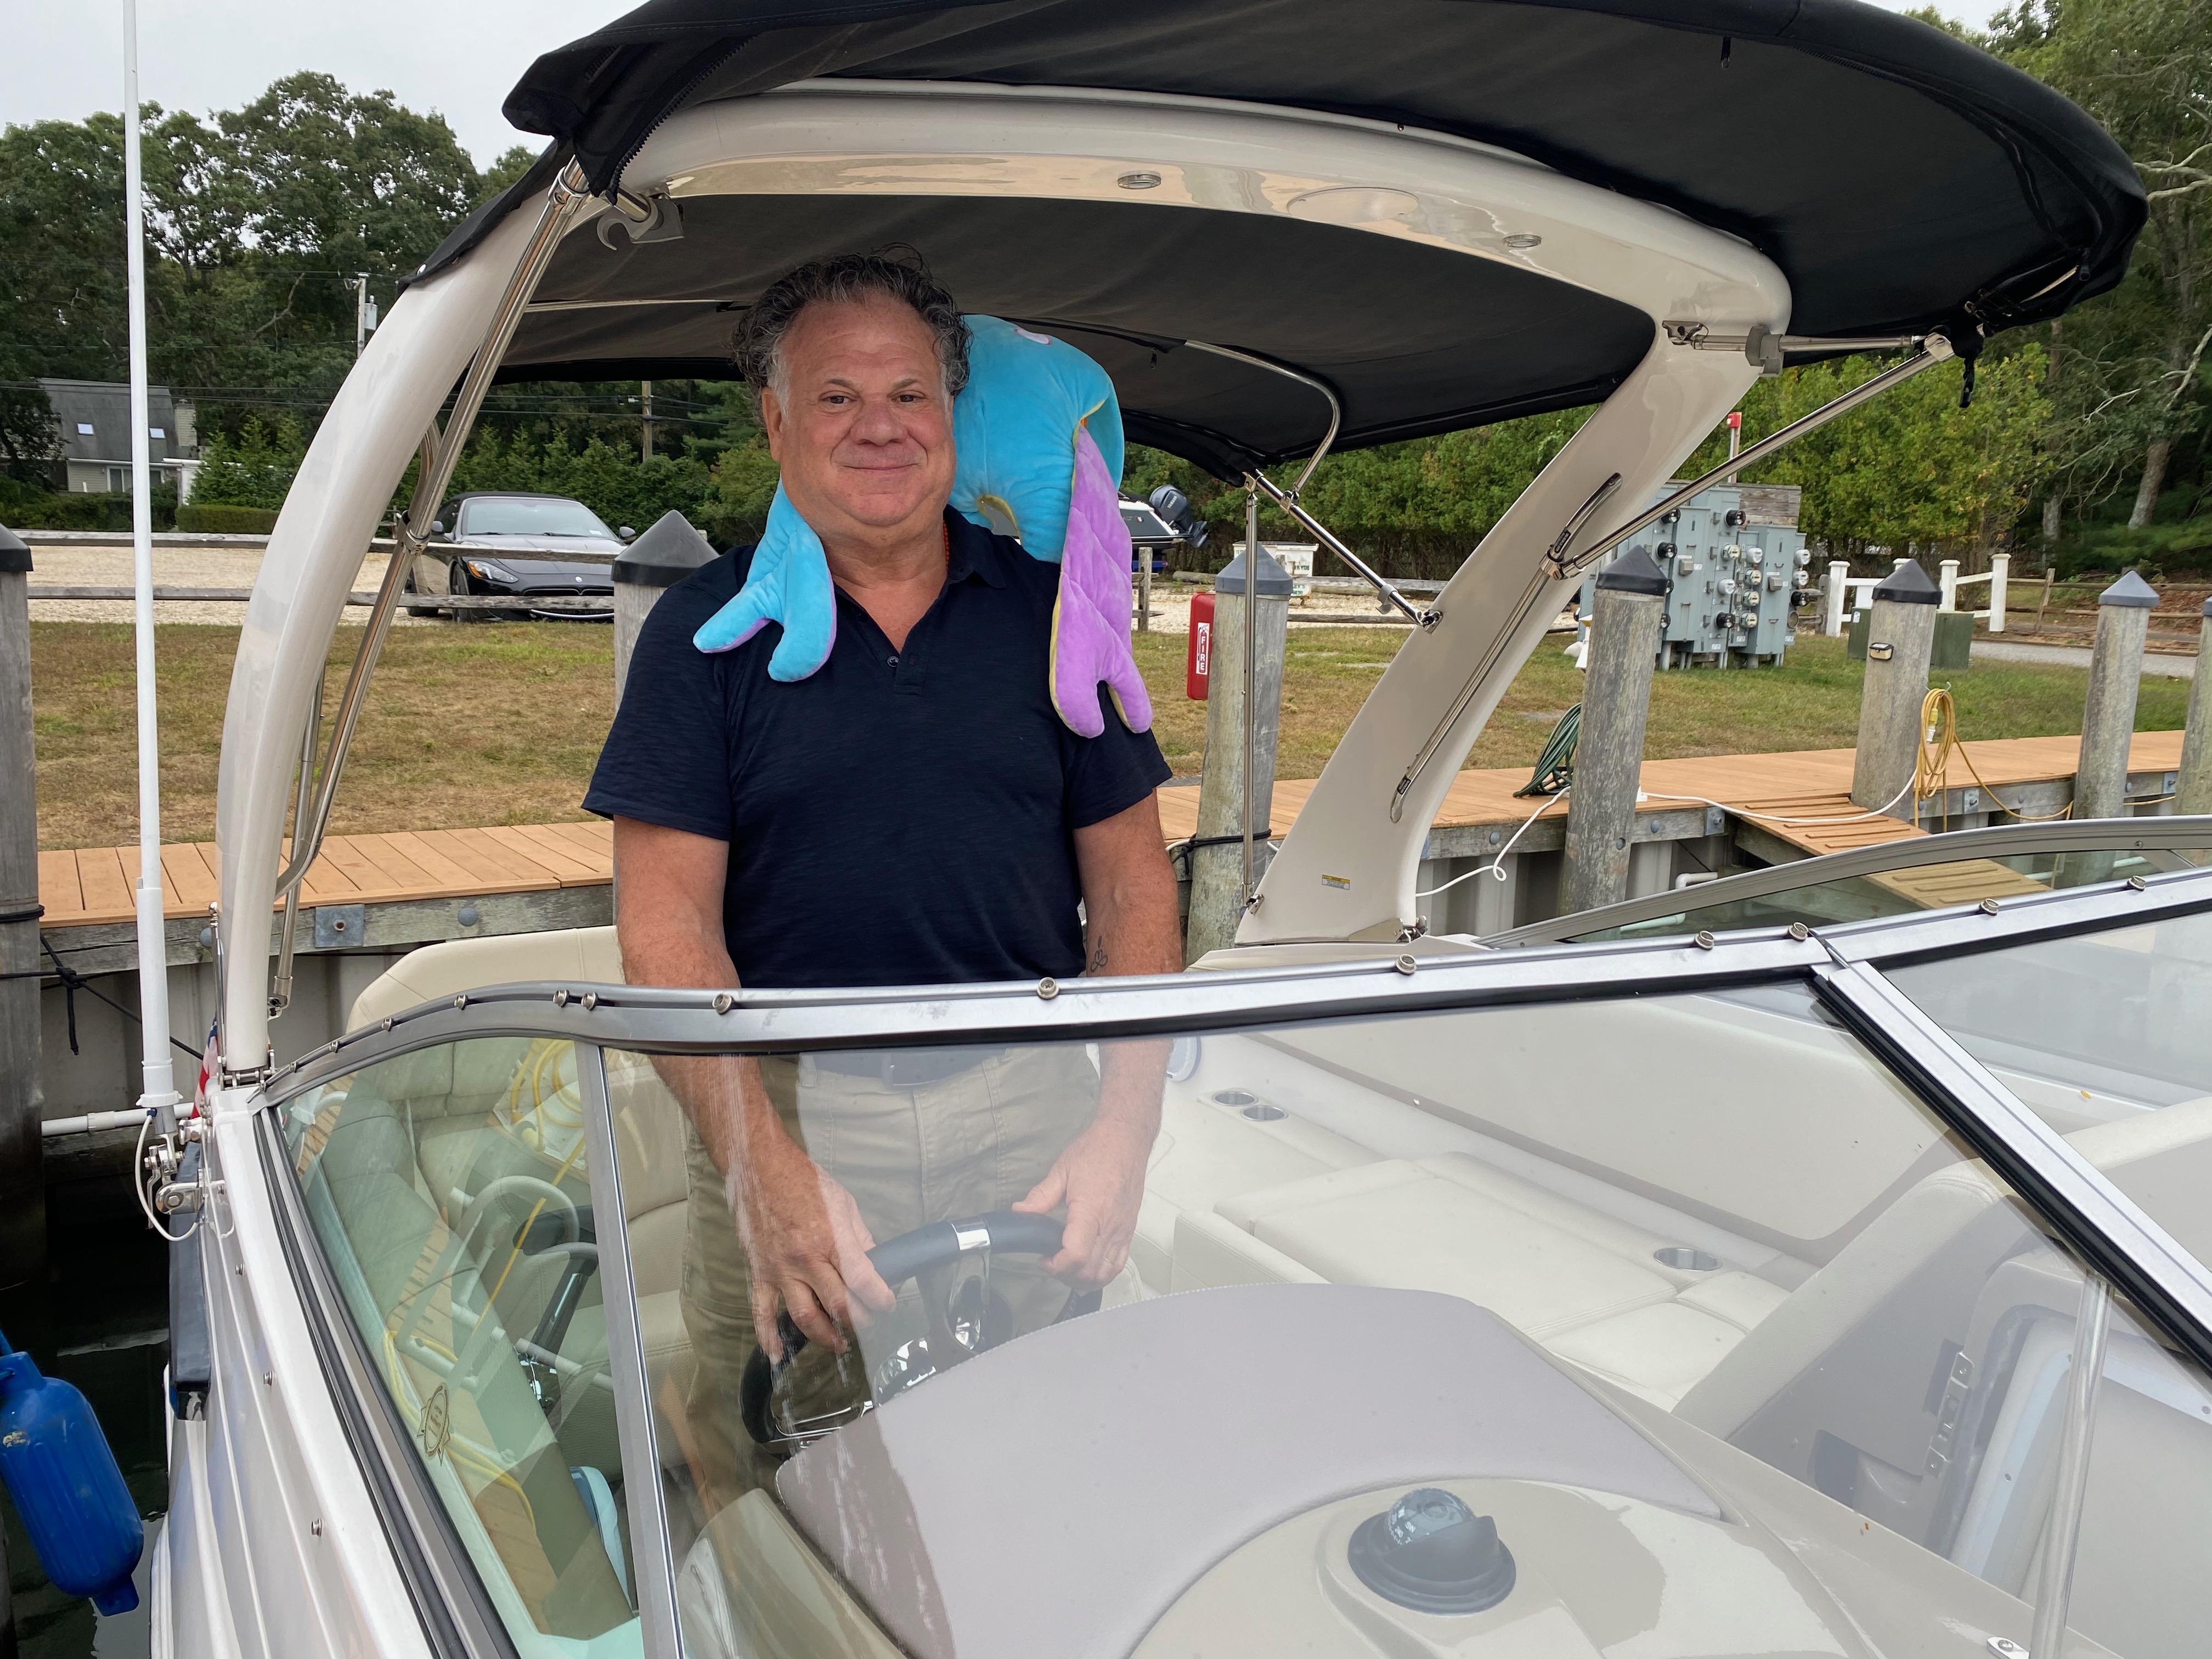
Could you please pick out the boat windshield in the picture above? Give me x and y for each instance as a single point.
(1686, 1294)
(1897, 892)
(531, 515)
(2107, 1035)
(450, 1189)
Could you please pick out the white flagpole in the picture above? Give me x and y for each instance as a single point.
(160, 1078)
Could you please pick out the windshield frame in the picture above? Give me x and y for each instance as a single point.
(2099, 1223)
(1957, 846)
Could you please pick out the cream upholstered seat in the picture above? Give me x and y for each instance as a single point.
(2155, 1158)
(437, 972)
(648, 1123)
(1590, 1288)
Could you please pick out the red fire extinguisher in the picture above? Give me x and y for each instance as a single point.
(1198, 659)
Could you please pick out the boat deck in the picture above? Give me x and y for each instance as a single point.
(91, 886)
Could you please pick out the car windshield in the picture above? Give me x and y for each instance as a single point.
(531, 515)
(1929, 886)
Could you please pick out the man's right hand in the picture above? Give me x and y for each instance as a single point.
(808, 1244)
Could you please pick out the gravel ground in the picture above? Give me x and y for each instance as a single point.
(174, 566)
(2170, 664)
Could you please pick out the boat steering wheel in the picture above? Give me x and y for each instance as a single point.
(939, 1244)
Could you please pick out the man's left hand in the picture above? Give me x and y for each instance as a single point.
(1101, 1180)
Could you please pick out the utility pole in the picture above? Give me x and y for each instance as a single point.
(645, 448)
(364, 311)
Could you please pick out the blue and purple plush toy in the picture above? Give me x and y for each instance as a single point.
(1038, 436)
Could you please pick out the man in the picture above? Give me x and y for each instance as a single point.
(914, 812)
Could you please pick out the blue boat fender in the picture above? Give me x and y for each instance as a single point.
(63, 1478)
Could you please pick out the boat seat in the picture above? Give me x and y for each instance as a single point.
(2162, 1159)
(437, 972)
(1206, 1152)
(650, 1145)
(396, 1264)
(1591, 1289)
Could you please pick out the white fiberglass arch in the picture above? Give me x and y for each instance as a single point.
(900, 138)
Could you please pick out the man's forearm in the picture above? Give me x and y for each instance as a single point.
(722, 1094)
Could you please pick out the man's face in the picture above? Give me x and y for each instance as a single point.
(863, 434)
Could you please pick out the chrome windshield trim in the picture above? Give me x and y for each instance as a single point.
(1997, 841)
(1965, 930)
(652, 1571)
(2104, 1226)
(790, 1022)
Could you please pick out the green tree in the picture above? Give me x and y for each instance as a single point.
(253, 469)
(2130, 370)
(29, 440)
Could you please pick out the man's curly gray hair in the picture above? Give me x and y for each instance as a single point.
(895, 273)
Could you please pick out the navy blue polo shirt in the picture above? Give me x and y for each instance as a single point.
(899, 817)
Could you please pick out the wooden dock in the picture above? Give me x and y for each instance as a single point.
(409, 887)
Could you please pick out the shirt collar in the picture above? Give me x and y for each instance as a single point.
(975, 551)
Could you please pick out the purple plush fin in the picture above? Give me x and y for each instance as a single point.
(1090, 620)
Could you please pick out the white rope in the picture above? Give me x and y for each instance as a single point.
(1497, 865)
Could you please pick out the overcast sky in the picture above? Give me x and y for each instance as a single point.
(63, 59)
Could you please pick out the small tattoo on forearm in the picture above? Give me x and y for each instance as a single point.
(1098, 955)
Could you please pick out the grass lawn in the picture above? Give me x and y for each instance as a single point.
(500, 724)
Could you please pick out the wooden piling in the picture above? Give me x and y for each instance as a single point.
(668, 552)
(2108, 717)
(2193, 790)
(1217, 857)
(22, 1153)
(1628, 613)
(1900, 638)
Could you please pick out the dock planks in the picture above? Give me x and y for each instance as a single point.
(94, 884)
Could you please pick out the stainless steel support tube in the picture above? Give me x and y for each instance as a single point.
(1560, 562)
(1933, 350)
(1335, 408)
(1288, 501)
(2061, 1528)
(280, 988)
(440, 452)
(1251, 664)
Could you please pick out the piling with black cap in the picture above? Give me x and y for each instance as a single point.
(668, 552)
(1216, 857)
(1627, 616)
(2108, 716)
(2193, 790)
(22, 1170)
(1900, 638)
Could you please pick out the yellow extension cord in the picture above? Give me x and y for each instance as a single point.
(1939, 741)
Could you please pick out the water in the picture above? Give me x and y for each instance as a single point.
(103, 1326)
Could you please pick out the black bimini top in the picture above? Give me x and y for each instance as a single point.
(1900, 178)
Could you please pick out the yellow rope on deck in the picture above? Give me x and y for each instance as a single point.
(1939, 741)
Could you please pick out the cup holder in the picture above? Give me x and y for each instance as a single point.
(1686, 1260)
(1249, 1105)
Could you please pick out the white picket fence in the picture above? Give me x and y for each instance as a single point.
(1847, 593)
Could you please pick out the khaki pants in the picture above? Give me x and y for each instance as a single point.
(973, 1142)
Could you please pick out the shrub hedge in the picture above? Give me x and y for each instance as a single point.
(212, 519)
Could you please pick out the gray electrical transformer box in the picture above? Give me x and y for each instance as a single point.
(1738, 567)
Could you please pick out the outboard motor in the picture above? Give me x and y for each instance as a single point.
(66, 1486)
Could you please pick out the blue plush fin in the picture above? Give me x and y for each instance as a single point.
(788, 585)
